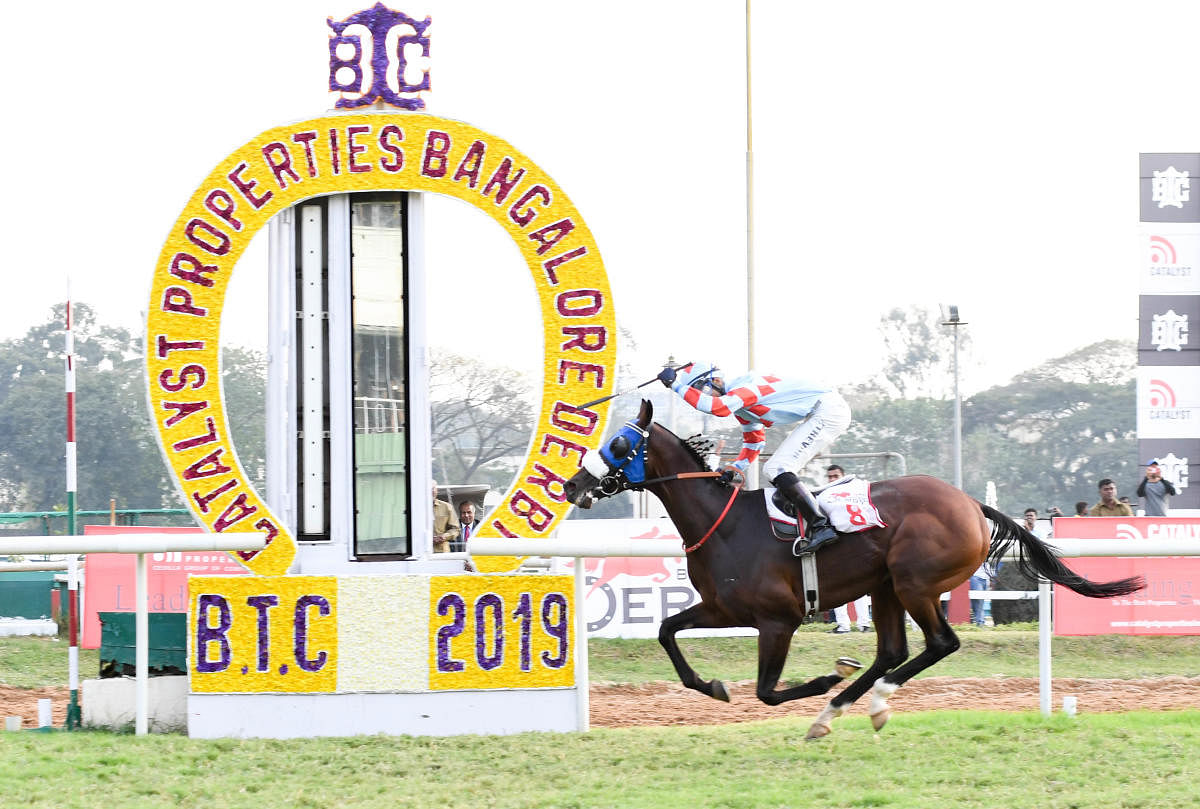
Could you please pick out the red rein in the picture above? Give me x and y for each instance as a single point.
(703, 539)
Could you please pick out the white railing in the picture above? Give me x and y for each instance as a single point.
(1066, 547)
(376, 415)
(141, 544)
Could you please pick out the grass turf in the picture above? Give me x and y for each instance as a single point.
(960, 759)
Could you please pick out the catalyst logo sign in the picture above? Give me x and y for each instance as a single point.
(1168, 402)
(1169, 262)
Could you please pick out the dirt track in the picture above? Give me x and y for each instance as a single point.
(665, 703)
(671, 704)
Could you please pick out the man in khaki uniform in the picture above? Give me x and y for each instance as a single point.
(1109, 505)
(445, 523)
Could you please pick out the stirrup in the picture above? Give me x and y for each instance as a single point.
(822, 535)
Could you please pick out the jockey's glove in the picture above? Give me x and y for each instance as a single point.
(667, 376)
(732, 475)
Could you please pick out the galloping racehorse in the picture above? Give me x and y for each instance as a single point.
(935, 537)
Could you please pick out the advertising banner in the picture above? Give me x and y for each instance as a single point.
(1166, 330)
(1170, 603)
(1168, 402)
(1179, 459)
(1170, 260)
(629, 597)
(1168, 187)
(109, 585)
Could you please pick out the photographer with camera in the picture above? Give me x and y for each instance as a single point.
(1155, 490)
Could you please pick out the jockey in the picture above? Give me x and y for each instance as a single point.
(758, 401)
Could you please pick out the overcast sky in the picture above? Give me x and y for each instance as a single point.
(905, 154)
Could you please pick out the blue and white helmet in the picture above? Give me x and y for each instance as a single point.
(703, 377)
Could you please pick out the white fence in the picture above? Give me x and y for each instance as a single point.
(1067, 547)
(141, 544)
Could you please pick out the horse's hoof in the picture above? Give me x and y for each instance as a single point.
(817, 731)
(878, 720)
(846, 666)
(719, 691)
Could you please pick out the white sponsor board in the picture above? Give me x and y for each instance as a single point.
(1168, 402)
(1169, 259)
(628, 597)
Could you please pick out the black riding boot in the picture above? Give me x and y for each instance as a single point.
(818, 525)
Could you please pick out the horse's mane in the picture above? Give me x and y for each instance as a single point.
(699, 447)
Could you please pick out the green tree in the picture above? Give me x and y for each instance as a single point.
(244, 377)
(118, 456)
(1049, 442)
(918, 352)
(1046, 438)
(482, 420)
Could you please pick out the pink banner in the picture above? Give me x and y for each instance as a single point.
(109, 577)
(1170, 603)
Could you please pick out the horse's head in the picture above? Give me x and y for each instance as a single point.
(618, 465)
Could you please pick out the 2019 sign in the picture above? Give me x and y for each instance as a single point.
(501, 632)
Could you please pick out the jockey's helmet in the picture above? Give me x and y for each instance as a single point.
(705, 377)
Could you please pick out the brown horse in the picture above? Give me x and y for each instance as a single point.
(935, 538)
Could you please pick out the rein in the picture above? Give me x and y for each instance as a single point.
(680, 476)
(703, 539)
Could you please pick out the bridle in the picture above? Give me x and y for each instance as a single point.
(626, 471)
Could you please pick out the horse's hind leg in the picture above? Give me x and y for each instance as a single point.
(774, 640)
(697, 615)
(891, 649)
(940, 641)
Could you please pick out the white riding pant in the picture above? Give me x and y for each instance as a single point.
(827, 421)
(862, 608)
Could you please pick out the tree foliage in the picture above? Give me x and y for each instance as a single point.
(244, 377)
(482, 420)
(1046, 438)
(918, 352)
(118, 457)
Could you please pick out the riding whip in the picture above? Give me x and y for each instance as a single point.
(622, 393)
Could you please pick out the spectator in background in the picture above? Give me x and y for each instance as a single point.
(1034, 527)
(981, 579)
(862, 606)
(468, 522)
(1109, 506)
(1081, 508)
(445, 524)
(1155, 490)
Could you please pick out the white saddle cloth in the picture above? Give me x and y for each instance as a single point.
(846, 502)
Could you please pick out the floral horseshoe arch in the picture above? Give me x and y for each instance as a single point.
(369, 152)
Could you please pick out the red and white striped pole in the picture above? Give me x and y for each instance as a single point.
(73, 713)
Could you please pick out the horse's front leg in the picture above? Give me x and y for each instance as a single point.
(774, 641)
(695, 616)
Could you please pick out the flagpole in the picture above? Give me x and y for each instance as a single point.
(751, 360)
(73, 713)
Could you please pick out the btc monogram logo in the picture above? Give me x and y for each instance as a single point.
(379, 21)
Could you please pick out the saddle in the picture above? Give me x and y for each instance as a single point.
(846, 502)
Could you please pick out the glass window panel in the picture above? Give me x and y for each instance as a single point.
(377, 238)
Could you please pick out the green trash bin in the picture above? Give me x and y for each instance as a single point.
(118, 644)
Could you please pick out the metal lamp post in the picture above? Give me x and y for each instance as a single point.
(952, 320)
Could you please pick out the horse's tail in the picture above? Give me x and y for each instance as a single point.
(1035, 557)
